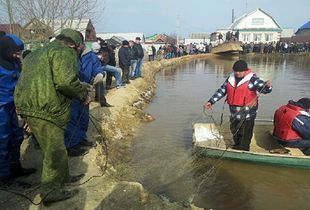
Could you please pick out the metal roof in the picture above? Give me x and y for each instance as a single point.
(237, 21)
(76, 24)
(305, 26)
(126, 36)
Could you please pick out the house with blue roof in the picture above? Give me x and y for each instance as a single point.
(304, 30)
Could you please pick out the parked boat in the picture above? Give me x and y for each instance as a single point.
(227, 47)
(209, 142)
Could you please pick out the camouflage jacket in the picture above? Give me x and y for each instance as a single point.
(48, 82)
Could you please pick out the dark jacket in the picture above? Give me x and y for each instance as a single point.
(112, 61)
(124, 57)
(154, 50)
(132, 54)
(139, 53)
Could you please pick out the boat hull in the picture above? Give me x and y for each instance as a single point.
(271, 159)
(208, 142)
(227, 48)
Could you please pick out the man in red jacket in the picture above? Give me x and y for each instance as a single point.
(292, 125)
(241, 88)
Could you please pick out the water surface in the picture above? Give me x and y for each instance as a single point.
(161, 157)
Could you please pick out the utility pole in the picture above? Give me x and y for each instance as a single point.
(232, 16)
(178, 29)
(246, 6)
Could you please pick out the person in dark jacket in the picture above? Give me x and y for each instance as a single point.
(100, 88)
(241, 88)
(292, 125)
(124, 60)
(103, 55)
(43, 95)
(139, 54)
(11, 133)
(133, 60)
(111, 62)
(154, 51)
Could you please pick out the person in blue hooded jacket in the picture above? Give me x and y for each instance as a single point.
(11, 134)
(90, 72)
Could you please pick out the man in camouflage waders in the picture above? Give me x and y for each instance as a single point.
(43, 95)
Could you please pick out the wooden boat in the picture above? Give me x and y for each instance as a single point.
(209, 142)
(227, 47)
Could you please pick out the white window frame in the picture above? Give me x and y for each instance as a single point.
(269, 37)
(258, 21)
(257, 37)
(246, 37)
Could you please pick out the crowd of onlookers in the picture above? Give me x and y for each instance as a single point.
(277, 47)
(168, 51)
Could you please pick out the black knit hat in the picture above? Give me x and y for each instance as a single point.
(240, 65)
(125, 42)
(305, 102)
(2, 33)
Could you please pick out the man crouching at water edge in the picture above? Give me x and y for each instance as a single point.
(241, 88)
(43, 96)
(292, 125)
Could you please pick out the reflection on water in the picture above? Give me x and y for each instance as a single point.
(161, 157)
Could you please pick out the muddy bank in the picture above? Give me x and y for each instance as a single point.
(117, 124)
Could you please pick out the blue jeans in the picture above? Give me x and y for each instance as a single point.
(11, 137)
(138, 67)
(304, 144)
(117, 73)
(133, 65)
(78, 124)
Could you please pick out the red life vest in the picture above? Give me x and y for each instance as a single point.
(284, 117)
(240, 95)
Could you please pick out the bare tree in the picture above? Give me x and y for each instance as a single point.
(55, 14)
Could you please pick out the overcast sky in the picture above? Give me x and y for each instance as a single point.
(160, 16)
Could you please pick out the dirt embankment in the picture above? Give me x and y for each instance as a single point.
(117, 124)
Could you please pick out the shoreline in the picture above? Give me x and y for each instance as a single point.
(118, 124)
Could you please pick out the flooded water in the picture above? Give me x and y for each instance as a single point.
(161, 157)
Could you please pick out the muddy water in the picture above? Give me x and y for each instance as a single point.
(161, 158)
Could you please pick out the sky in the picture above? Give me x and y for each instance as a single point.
(163, 16)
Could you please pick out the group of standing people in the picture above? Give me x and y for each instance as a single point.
(130, 59)
(276, 47)
(49, 89)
